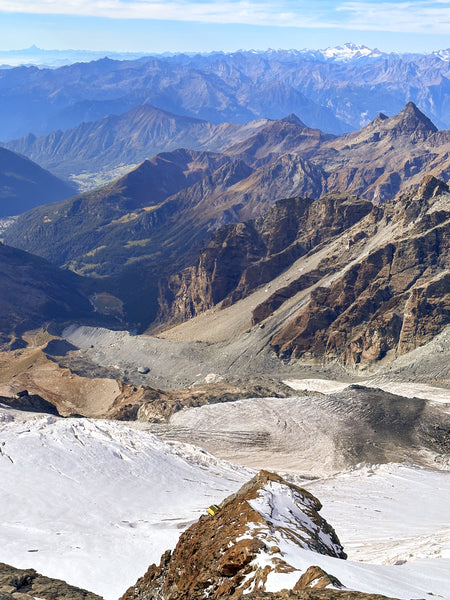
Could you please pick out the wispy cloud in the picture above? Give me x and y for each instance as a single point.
(432, 16)
(215, 11)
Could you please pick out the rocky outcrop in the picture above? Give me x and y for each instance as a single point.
(394, 299)
(30, 403)
(236, 549)
(26, 584)
(156, 406)
(316, 578)
(311, 595)
(242, 257)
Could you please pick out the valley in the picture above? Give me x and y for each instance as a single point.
(225, 327)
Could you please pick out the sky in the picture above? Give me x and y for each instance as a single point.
(201, 25)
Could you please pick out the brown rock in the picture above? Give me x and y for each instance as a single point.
(244, 256)
(316, 578)
(394, 299)
(216, 557)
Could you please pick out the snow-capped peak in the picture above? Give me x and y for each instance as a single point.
(442, 54)
(349, 51)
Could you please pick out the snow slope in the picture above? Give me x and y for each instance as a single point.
(399, 513)
(96, 502)
(393, 514)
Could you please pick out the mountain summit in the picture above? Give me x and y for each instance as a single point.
(243, 546)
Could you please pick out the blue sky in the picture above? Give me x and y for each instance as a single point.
(200, 25)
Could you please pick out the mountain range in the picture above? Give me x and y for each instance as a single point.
(364, 162)
(250, 292)
(151, 224)
(334, 95)
(118, 141)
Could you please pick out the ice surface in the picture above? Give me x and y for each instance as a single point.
(96, 502)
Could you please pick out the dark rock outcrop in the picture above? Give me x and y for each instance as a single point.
(26, 584)
(30, 403)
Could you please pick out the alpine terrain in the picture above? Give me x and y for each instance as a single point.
(225, 332)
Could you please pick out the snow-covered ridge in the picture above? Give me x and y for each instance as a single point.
(350, 51)
(286, 512)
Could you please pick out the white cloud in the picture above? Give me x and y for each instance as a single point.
(431, 16)
(219, 11)
(420, 16)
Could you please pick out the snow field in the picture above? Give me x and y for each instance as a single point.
(96, 502)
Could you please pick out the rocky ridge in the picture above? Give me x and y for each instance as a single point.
(380, 272)
(238, 548)
(127, 139)
(242, 257)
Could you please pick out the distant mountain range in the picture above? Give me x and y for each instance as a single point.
(128, 139)
(57, 58)
(337, 90)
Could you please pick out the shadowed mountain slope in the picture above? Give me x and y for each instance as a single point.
(24, 185)
(35, 292)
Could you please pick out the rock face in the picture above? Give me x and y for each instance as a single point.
(26, 584)
(236, 550)
(241, 257)
(393, 299)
